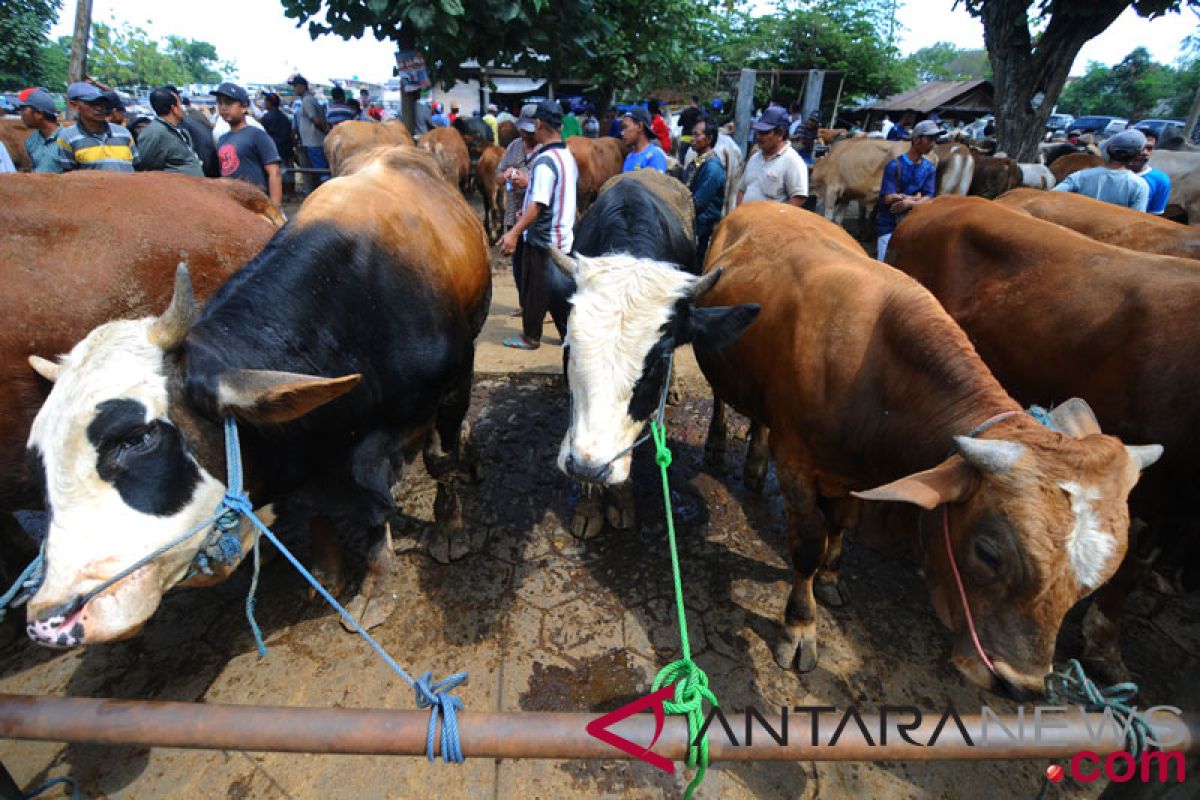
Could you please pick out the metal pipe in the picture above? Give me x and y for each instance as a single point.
(564, 735)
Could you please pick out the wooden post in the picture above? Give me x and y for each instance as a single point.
(744, 107)
(77, 67)
(836, 101)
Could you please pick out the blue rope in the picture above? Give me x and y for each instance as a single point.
(25, 586)
(50, 784)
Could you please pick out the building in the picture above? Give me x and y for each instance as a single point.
(955, 101)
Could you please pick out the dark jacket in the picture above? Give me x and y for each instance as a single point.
(708, 194)
(203, 144)
(279, 128)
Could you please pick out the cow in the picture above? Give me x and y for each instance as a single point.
(13, 134)
(955, 168)
(347, 138)
(1055, 314)
(1183, 168)
(994, 175)
(598, 160)
(507, 132)
(872, 392)
(476, 134)
(491, 189)
(1072, 163)
(1108, 223)
(1036, 176)
(450, 154)
(344, 347)
(853, 170)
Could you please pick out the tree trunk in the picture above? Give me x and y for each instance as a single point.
(408, 100)
(1189, 127)
(77, 68)
(1022, 69)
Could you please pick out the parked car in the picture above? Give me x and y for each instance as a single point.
(1157, 125)
(1096, 125)
(1114, 127)
(1059, 122)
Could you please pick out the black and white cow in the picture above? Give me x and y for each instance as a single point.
(344, 346)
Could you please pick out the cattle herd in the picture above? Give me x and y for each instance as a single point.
(343, 343)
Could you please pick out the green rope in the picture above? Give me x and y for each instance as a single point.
(690, 681)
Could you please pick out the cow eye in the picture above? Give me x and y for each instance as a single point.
(138, 440)
(988, 555)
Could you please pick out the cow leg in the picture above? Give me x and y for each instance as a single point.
(327, 557)
(620, 508)
(714, 445)
(807, 535)
(445, 461)
(829, 589)
(374, 602)
(588, 520)
(757, 458)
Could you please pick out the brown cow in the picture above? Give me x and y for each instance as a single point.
(1108, 223)
(491, 189)
(1056, 315)
(864, 380)
(13, 134)
(507, 132)
(348, 138)
(598, 160)
(955, 168)
(1072, 163)
(994, 175)
(449, 150)
(853, 170)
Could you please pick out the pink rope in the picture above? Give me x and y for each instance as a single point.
(963, 593)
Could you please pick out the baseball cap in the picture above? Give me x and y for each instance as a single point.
(38, 99)
(927, 127)
(526, 121)
(84, 92)
(233, 92)
(639, 115)
(774, 117)
(1125, 145)
(549, 112)
(298, 78)
(114, 100)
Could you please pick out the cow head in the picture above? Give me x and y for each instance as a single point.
(1037, 521)
(121, 478)
(627, 317)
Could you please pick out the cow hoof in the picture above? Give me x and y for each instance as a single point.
(448, 544)
(832, 593)
(369, 611)
(332, 581)
(714, 454)
(807, 660)
(587, 523)
(620, 516)
(785, 653)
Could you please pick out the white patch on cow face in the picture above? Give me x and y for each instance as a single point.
(617, 315)
(1088, 547)
(94, 533)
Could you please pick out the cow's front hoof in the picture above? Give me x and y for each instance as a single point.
(620, 511)
(370, 611)
(448, 544)
(588, 520)
(798, 649)
(831, 592)
(755, 475)
(714, 453)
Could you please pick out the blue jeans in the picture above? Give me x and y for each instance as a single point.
(316, 160)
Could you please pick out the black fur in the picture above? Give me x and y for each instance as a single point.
(146, 462)
(629, 218)
(36, 465)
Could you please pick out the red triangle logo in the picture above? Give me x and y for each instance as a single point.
(599, 728)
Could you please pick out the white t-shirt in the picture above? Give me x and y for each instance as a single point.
(780, 177)
(6, 162)
(553, 177)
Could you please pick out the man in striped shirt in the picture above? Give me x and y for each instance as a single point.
(547, 220)
(93, 142)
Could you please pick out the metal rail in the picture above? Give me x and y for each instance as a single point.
(559, 735)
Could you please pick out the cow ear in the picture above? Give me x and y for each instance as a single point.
(948, 482)
(714, 328)
(45, 367)
(259, 395)
(1075, 418)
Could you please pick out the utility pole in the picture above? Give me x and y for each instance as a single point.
(77, 67)
(1193, 115)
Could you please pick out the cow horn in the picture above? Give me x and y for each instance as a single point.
(169, 330)
(989, 455)
(1144, 454)
(705, 282)
(566, 264)
(48, 369)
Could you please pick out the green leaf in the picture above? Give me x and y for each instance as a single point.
(421, 15)
(377, 6)
(453, 7)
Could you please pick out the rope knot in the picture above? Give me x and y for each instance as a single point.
(435, 697)
(1073, 687)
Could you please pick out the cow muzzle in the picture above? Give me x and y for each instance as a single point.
(119, 612)
(588, 472)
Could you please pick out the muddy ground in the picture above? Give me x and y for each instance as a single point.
(543, 621)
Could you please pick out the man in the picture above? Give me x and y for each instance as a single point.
(93, 142)
(339, 111)
(776, 172)
(6, 163)
(805, 137)
(908, 181)
(589, 123)
(1113, 182)
(201, 133)
(687, 122)
(1073, 138)
(246, 152)
(659, 126)
(117, 113)
(514, 171)
(547, 220)
(423, 119)
(311, 125)
(454, 114)
(439, 117)
(706, 179)
(493, 122)
(164, 144)
(570, 126)
(1156, 179)
(364, 102)
(38, 112)
(504, 116)
(900, 131)
(638, 136)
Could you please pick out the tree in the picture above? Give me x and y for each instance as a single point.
(944, 61)
(128, 57)
(1030, 65)
(24, 25)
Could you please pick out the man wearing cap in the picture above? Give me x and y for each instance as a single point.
(805, 137)
(638, 135)
(547, 220)
(116, 114)
(246, 152)
(164, 144)
(776, 172)
(93, 142)
(908, 181)
(514, 171)
(1158, 181)
(705, 176)
(311, 125)
(493, 122)
(1113, 182)
(38, 112)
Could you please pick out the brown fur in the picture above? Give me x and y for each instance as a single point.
(598, 160)
(507, 132)
(450, 151)
(348, 138)
(13, 134)
(491, 189)
(853, 170)
(1072, 163)
(994, 175)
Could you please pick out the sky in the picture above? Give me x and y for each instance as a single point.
(267, 47)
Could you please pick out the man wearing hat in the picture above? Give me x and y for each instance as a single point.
(93, 142)
(514, 171)
(311, 125)
(38, 112)
(638, 135)
(116, 113)
(776, 172)
(1113, 182)
(547, 220)
(246, 152)
(908, 181)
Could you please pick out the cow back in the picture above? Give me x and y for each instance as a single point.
(1072, 163)
(348, 138)
(450, 153)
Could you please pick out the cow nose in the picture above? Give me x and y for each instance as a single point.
(589, 473)
(57, 629)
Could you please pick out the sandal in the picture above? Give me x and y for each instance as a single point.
(520, 343)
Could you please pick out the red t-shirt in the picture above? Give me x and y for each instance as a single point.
(659, 126)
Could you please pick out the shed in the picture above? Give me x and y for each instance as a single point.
(963, 101)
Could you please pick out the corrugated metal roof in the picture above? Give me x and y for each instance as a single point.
(933, 95)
